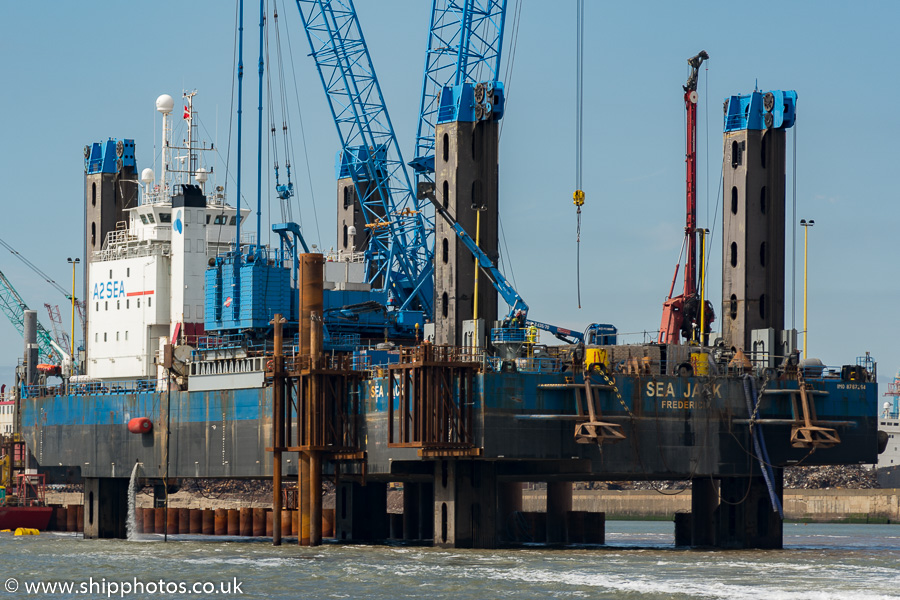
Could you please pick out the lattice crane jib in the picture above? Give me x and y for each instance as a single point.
(14, 308)
(465, 43)
(401, 243)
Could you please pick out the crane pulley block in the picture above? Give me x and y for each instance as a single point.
(578, 198)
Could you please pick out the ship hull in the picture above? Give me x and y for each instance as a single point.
(30, 517)
(675, 428)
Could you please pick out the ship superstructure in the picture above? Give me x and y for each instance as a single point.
(145, 284)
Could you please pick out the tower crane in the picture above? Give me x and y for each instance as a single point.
(688, 314)
(14, 308)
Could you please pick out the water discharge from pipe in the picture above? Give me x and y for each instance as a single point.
(131, 522)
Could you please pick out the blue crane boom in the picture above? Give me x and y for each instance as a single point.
(465, 43)
(401, 245)
(14, 308)
(518, 309)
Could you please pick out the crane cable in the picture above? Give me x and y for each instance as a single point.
(578, 196)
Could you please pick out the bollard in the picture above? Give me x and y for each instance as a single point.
(234, 521)
(171, 521)
(575, 526)
(327, 522)
(195, 517)
(286, 528)
(396, 524)
(70, 519)
(159, 520)
(51, 524)
(259, 522)
(221, 521)
(148, 516)
(246, 521)
(208, 522)
(59, 518)
(184, 521)
(595, 528)
(683, 525)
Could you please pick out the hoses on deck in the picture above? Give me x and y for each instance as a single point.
(755, 434)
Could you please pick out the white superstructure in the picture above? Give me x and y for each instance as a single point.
(889, 422)
(147, 282)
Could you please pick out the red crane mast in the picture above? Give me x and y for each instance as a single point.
(681, 314)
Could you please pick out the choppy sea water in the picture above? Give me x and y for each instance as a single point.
(820, 562)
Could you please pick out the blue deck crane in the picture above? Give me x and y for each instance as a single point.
(514, 324)
(401, 248)
(465, 43)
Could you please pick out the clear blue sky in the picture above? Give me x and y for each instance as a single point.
(76, 73)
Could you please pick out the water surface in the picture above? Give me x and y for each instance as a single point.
(819, 562)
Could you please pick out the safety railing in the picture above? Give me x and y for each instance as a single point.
(128, 386)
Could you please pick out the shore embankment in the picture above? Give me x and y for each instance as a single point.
(845, 506)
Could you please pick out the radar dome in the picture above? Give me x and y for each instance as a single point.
(147, 175)
(351, 230)
(201, 175)
(165, 104)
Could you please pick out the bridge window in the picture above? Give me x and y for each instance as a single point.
(346, 197)
(446, 196)
(734, 199)
(445, 251)
(736, 158)
(445, 309)
(93, 234)
(345, 233)
(733, 308)
(165, 217)
(94, 194)
(734, 254)
(446, 148)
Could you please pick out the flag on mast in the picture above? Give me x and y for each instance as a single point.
(187, 113)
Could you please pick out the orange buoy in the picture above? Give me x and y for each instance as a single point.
(140, 425)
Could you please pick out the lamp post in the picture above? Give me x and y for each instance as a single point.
(73, 262)
(806, 225)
